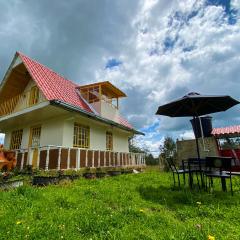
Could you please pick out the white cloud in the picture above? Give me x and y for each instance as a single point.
(187, 135)
(167, 48)
(203, 57)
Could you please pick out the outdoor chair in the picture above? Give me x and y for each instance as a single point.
(177, 171)
(219, 167)
(196, 166)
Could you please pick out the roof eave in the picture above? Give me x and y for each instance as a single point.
(70, 107)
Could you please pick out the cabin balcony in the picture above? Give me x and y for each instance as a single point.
(63, 158)
(21, 101)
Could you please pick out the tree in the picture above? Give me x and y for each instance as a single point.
(149, 158)
(168, 150)
(133, 148)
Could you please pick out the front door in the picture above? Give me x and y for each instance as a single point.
(34, 143)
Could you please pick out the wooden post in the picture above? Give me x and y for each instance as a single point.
(22, 160)
(47, 158)
(78, 157)
(16, 155)
(110, 159)
(86, 160)
(59, 159)
(99, 158)
(113, 163)
(30, 156)
(68, 158)
(104, 159)
(93, 158)
(38, 157)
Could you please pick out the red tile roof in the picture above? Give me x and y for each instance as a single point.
(226, 131)
(52, 85)
(56, 87)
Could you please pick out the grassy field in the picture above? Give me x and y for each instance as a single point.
(135, 206)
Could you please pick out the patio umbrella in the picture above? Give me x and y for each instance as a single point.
(195, 105)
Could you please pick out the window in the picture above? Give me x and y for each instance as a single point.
(16, 139)
(81, 136)
(109, 141)
(34, 96)
(34, 138)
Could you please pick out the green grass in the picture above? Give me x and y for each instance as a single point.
(136, 206)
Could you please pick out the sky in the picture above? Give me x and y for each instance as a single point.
(154, 50)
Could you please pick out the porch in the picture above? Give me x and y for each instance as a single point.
(63, 158)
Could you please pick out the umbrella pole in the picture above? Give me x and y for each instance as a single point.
(198, 152)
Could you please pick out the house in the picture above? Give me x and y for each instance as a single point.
(53, 123)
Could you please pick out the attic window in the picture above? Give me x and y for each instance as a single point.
(34, 96)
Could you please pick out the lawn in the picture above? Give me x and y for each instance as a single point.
(133, 206)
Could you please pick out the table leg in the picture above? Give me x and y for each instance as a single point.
(190, 180)
(224, 185)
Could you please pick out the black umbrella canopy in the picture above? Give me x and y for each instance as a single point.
(195, 104)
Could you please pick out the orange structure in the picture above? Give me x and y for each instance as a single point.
(7, 159)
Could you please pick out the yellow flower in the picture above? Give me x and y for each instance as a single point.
(211, 237)
(18, 222)
(141, 210)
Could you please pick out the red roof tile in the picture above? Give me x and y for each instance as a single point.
(52, 85)
(230, 131)
(56, 87)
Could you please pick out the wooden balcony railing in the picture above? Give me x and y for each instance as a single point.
(20, 102)
(63, 158)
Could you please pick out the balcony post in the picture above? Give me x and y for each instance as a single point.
(16, 154)
(47, 158)
(104, 159)
(99, 158)
(68, 159)
(110, 159)
(78, 157)
(93, 158)
(116, 160)
(38, 157)
(59, 159)
(86, 159)
(22, 160)
(30, 156)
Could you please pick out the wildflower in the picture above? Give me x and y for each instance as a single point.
(211, 237)
(199, 226)
(141, 210)
(198, 203)
(18, 222)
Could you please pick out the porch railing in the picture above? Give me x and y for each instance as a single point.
(62, 158)
(20, 102)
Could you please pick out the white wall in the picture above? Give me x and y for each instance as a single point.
(51, 133)
(97, 134)
(59, 131)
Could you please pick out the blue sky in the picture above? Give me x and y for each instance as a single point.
(154, 50)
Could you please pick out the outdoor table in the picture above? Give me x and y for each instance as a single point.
(195, 165)
(221, 172)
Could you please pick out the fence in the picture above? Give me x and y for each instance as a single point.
(62, 158)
